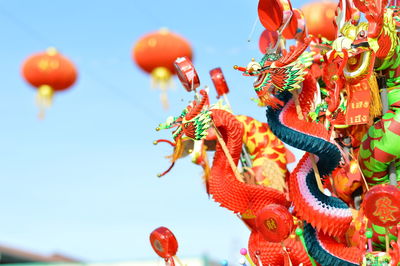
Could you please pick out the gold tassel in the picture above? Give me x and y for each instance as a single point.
(44, 99)
(375, 108)
(161, 78)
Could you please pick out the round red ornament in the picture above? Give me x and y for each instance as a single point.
(274, 13)
(382, 205)
(267, 40)
(187, 73)
(218, 79)
(164, 242)
(275, 223)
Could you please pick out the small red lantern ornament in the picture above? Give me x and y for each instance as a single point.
(49, 72)
(382, 205)
(164, 243)
(187, 74)
(274, 222)
(320, 18)
(219, 81)
(155, 53)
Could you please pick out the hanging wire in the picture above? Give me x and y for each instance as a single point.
(34, 34)
(42, 40)
(252, 30)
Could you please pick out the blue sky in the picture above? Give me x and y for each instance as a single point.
(83, 181)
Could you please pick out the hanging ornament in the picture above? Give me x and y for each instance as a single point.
(155, 54)
(49, 72)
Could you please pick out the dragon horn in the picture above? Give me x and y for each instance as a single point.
(166, 171)
(164, 140)
(198, 106)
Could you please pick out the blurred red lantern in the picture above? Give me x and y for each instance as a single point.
(320, 17)
(49, 72)
(156, 52)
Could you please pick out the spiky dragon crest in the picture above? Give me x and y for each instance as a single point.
(194, 121)
(278, 73)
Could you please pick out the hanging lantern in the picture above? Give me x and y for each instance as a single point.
(155, 54)
(49, 72)
(320, 18)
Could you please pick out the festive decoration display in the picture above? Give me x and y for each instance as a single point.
(155, 53)
(49, 72)
(333, 94)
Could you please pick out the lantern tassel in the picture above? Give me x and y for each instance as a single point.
(44, 99)
(161, 78)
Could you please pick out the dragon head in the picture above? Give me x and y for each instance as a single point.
(194, 122)
(278, 72)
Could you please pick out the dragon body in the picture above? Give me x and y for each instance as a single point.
(279, 80)
(246, 200)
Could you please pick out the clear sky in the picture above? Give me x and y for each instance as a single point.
(83, 181)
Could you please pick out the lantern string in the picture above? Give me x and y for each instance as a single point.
(252, 30)
(40, 38)
(123, 95)
(35, 35)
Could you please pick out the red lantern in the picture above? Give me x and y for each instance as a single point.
(320, 18)
(155, 54)
(49, 72)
